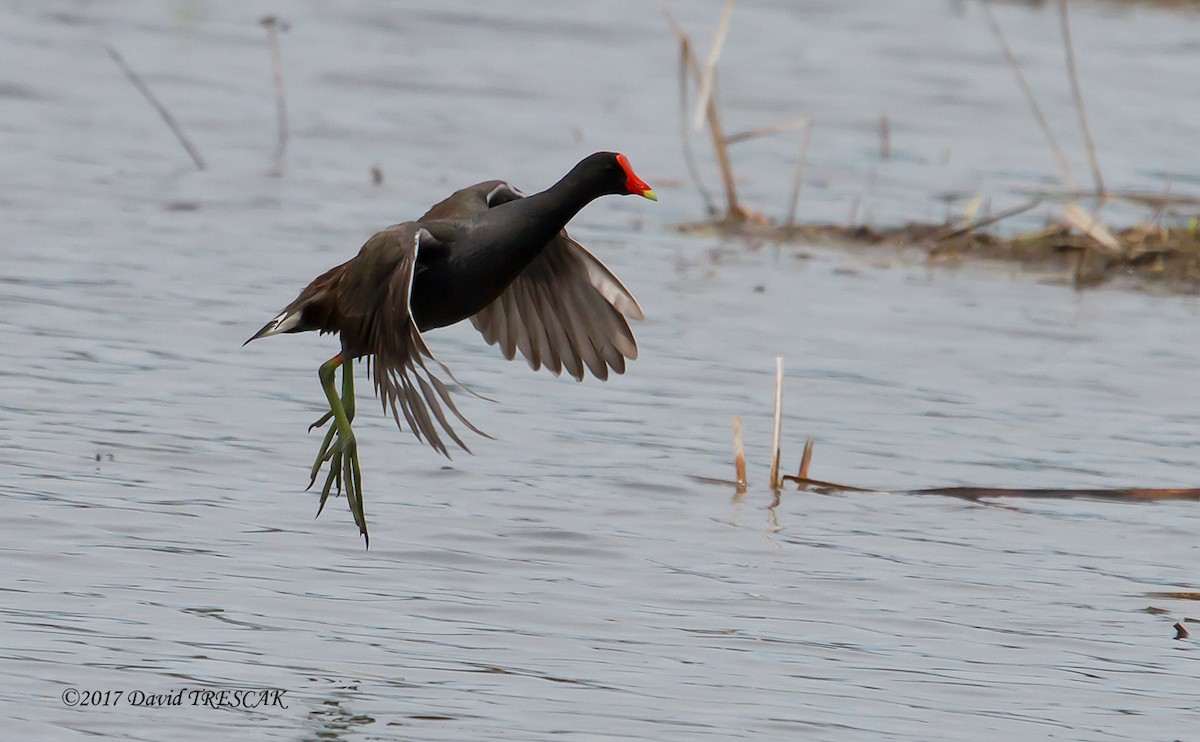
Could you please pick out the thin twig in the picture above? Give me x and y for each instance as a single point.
(989, 220)
(1073, 74)
(799, 122)
(739, 452)
(274, 26)
(1028, 93)
(710, 67)
(776, 482)
(794, 201)
(158, 106)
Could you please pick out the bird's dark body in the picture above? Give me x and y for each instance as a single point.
(452, 284)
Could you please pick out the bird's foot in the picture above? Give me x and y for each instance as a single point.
(338, 452)
(344, 475)
(321, 421)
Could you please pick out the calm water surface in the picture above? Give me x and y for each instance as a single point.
(573, 579)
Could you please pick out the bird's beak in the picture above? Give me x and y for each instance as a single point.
(634, 184)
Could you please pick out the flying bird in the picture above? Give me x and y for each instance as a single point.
(487, 253)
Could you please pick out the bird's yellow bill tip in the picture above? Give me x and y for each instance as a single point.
(650, 194)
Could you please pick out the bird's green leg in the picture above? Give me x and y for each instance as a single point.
(343, 453)
(327, 452)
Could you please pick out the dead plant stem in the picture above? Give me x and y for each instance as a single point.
(1073, 74)
(157, 104)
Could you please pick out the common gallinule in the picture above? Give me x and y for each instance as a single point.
(488, 253)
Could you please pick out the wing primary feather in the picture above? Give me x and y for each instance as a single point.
(431, 401)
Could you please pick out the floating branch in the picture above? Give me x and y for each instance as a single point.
(1122, 494)
(158, 106)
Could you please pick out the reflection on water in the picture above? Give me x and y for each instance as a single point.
(573, 579)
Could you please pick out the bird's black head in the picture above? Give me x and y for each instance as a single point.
(611, 173)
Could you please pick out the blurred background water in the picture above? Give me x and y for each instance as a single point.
(572, 579)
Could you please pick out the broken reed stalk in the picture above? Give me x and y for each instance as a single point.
(794, 201)
(687, 60)
(158, 106)
(273, 26)
(1038, 116)
(733, 210)
(885, 137)
(776, 482)
(1077, 94)
(806, 459)
(707, 80)
(1093, 228)
(739, 452)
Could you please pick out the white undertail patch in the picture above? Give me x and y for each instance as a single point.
(282, 323)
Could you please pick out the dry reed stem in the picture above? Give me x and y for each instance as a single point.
(1028, 93)
(710, 67)
(273, 26)
(734, 211)
(1089, 225)
(739, 452)
(1180, 632)
(158, 106)
(1077, 94)
(885, 137)
(806, 459)
(776, 482)
(794, 201)
(732, 208)
(687, 61)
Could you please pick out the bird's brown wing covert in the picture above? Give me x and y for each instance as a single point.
(378, 322)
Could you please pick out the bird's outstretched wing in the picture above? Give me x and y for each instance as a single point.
(565, 310)
(399, 360)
